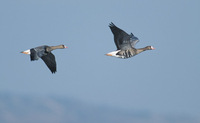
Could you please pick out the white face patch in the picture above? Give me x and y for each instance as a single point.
(152, 48)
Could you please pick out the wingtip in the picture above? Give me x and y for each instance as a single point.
(111, 24)
(53, 72)
(132, 34)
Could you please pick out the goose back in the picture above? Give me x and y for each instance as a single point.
(38, 52)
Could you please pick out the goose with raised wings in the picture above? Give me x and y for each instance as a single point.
(125, 44)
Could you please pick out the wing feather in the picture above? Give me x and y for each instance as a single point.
(121, 38)
(133, 40)
(50, 61)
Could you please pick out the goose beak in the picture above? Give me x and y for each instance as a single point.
(153, 48)
(66, 47)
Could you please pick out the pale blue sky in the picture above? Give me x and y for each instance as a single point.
(165, 80)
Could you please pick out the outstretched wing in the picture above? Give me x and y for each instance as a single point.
(121, 38)
(50, 61)
(133, 40)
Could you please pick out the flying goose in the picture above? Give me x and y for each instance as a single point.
(44, 52)
(125, 44)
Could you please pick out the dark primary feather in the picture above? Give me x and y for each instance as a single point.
(50, 61)
(121, 38)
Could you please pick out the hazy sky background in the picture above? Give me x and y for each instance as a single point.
(162, 81)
